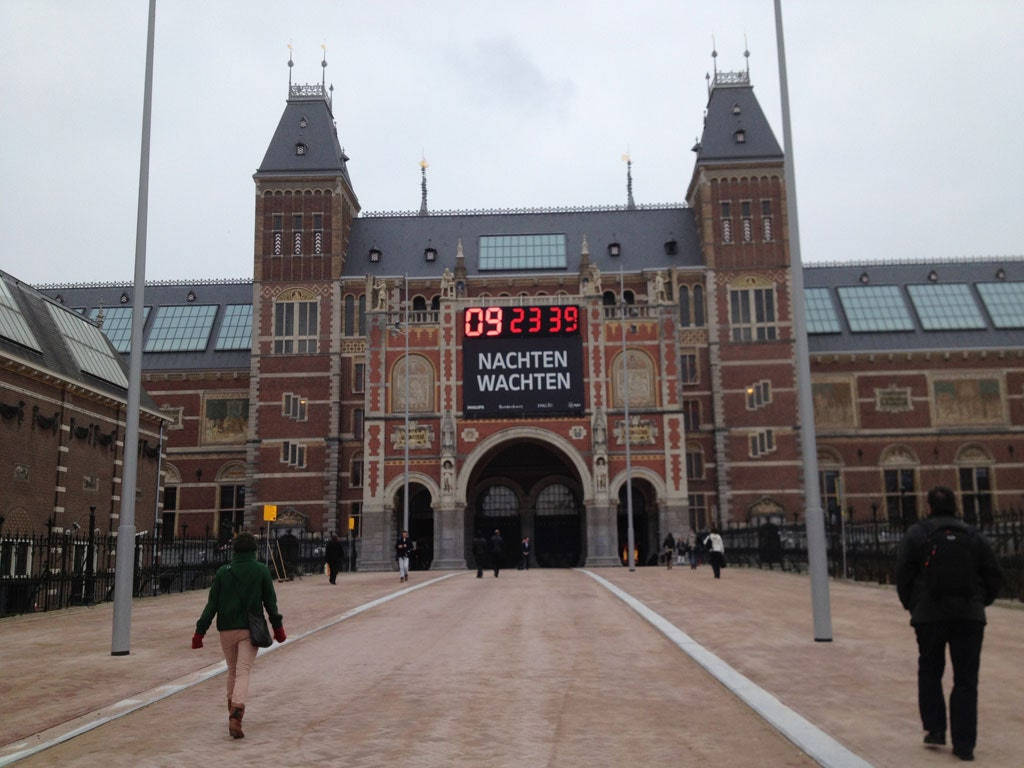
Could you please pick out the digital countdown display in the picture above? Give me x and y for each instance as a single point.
(522, 361)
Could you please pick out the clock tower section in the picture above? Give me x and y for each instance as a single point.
(305, 206)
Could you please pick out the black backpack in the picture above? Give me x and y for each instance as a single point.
(949, 566)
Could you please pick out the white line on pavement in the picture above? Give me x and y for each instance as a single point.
(803, 733)
(69, 730)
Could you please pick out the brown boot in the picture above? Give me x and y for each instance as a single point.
(235, 721)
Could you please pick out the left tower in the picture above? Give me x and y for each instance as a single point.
(305, 206)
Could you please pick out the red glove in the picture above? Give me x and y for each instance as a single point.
(197, 641)
(279, 634)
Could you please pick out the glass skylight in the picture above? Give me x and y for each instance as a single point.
(821, 312)
(117, 325)
(522, 252)
(875, 308)
(236, 327)
(1004, 302)
(90, 349)
(946, 307)
(183, 328)
(12, 322)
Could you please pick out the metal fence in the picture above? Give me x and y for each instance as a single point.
(866, 551)
(43, 572)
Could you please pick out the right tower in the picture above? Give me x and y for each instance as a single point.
(737, 193)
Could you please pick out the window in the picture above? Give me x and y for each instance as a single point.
(181, 328)
(13, 325)
(900, 496)
(684, 306)
(362, 315)
(277, 234)
(1004, 302)
(820, 312)
(752, 314)
(947, 306)
(294, 407)
(15, 557)
(293, 454)
(688, 373)
(357, 423)
(295, 327)
(170, 513)
(691, 415)
(740, 136)
(297, 234)
(767, 231)
(232, 510)
(318, 233)
(759, 394)
(503, 252)
(698, 305)
(762, 442)
(350, 315)
(875, 308)
(117, 325)
(694, 463)
(88, 346)
(976, 494)
(355, 475)
(831, 496)
(698, 512)
(726, 222)
(236, 327)
(746, 221)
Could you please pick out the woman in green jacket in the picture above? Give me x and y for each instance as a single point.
(236, 586)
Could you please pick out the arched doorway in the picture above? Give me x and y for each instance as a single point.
(526, 487)
(645, 523)
(421, 524)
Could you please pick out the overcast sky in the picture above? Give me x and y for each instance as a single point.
(905, 117)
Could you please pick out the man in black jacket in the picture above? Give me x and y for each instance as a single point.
(947, 606)
(497, 548)
(334, 555)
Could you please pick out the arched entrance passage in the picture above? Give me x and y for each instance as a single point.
(525, 487)
(645, 523)
(421, 524)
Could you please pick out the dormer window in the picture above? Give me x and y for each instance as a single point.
(671, 247)
(374, 255)
(614, 249)
(300, 148)
(735, 109)
(302, 122)
(430, 254)
(740, 136)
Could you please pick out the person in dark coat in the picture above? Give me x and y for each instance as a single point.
(497, 551)
(668, 549)
(479, 553)
(242, 585)
(524, 554)
(334, 555)
(941, 618)
(403, 551)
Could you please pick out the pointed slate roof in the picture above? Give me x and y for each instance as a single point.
(735, 128)
(306, 140)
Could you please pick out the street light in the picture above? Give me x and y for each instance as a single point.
(402, 326)
(630, 558)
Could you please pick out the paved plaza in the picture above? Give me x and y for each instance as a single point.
(536, 668)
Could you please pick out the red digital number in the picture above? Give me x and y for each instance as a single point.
(555, 321)
(572, 319)
(492, 317)
(516, 323)
(535, 319)
(474, 323)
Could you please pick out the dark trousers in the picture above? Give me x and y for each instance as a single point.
(332, 571)
(524, 563)
(717, 558)
(964, 640)
(496, 563)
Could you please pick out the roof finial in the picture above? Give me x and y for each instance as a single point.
(323, 65)
(714, 55)
(630, 205)
(290, 65)
(746, 54)
(423, 184)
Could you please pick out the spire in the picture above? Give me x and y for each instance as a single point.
(290, 65)
(423, 185)
(746, 54)
(630, 205)
(323, 66)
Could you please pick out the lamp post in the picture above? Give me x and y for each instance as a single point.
(630, 541)
(405, 491)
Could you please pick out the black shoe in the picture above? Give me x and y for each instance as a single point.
(964, 754)
(937, 738)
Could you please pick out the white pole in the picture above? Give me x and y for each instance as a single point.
(124, 575)
(405, 492)
(630, 538)
(817, 553)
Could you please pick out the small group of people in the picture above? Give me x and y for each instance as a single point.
(693, 547)
(491, 552)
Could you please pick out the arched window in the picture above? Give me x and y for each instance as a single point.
(499, 501)
(419, 304)
(975, 471)
(350, 315)
(684, 306)
(556, 499)
(698, 305)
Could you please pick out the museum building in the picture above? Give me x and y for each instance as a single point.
(519, 369)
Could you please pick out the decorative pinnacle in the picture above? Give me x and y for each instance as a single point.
(290, 65)
(630, 205)
(423, 185)
(323, 65)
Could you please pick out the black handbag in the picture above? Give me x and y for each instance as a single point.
(259, 632)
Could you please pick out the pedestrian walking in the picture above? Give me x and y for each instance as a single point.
(716, 551)
(946, 574)
(479, 553)
(668, 549)
(334, 554)
(524, 554)
(403, 549)
(496, 547)
(692, 545)
(241, 588)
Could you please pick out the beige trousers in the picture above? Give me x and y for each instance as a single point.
(240, 654)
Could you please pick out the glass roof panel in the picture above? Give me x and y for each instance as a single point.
(1004, 302)
(184, 328)
(12, 322)
(117, 325)
(946, 307)
(502, 252)
(821, 312)
(236, 327)
(88, 346)
(875, 308)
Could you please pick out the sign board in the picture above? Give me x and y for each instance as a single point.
(269, 512)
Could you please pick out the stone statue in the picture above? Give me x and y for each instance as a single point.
(382, 294)
(599, 429)
(447, 284)
(595, 279)
(657, 294)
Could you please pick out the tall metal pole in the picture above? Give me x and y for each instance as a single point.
(630, 540)
(125, 562)
(405, 492)
(817, 553)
